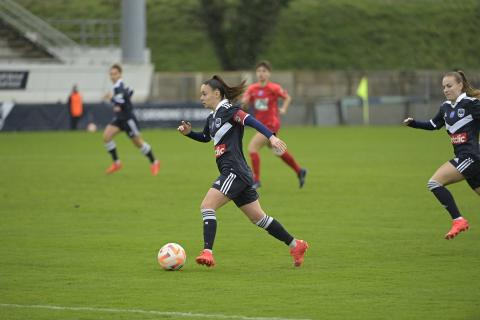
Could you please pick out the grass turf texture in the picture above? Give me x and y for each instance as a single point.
(72, 236)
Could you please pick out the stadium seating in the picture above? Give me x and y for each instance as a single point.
(54, 63)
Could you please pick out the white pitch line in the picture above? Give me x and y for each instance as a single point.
(140, 311)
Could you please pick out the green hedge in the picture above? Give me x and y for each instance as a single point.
(311, 34)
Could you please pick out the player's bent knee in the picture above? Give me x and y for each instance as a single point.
(252, 149)
(206, 205)
(432, 184)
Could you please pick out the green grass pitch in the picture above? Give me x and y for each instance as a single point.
(72, 237)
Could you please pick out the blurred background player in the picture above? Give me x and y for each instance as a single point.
(75, 107)
(225, 125)
(124, 120)
(263, 96)
(460, 114)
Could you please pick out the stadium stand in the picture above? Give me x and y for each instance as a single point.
(51, 62)
(14, 47)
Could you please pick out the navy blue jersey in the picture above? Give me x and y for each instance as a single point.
(122, 98)
(225, 127)
(462, 121)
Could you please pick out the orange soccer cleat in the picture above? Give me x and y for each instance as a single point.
(117, 165)
(206, 258)
(457, 227)
(298, 252)
(155, 167)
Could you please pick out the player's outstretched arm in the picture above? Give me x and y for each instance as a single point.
(434, 123)
(250, 121)
(425, 125)
(185, 128)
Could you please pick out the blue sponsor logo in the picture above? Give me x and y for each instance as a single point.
(452, 114)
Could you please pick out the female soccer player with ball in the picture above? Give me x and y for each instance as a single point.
(264, 96)
(460, 114)
(225, 126)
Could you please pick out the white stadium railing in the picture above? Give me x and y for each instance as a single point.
(37, 30)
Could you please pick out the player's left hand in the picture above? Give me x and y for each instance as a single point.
(407, 121)
(185, 128)
(278, 144)
(282, 111)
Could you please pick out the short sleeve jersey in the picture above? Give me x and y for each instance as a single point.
(462, 121)
(265, 101)
(122, 97)
(225, 127)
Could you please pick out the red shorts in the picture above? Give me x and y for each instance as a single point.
(272, 124)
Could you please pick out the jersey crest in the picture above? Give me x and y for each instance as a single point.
(261, 104)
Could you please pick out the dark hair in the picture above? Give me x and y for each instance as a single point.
(116, 66)
(459, 75)
(231, 93)
(265, 64)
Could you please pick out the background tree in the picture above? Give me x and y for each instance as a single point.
(239, 29)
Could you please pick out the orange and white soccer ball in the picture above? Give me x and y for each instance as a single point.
(171, 257)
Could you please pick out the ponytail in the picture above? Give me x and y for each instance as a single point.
(230, 93)
(459, 75)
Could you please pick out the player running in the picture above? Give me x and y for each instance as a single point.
(124, 120)
(264, 96)
(460, 114)
(225, 126)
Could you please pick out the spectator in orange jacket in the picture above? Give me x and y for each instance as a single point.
(75, 107)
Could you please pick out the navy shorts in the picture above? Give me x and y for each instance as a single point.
(235, 189)
(469, 167)
(130, 126)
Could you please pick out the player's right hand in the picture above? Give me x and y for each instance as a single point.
(278, 145)
(185, 128)
(407, 121)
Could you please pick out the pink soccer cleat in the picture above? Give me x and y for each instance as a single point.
(458, 226)
(114, 167)
(206, 258)
(155, 167)
(298, 252)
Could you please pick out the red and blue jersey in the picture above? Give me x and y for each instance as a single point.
(264, 100)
